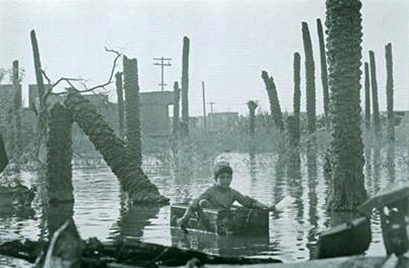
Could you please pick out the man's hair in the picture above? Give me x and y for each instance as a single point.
(222, 167)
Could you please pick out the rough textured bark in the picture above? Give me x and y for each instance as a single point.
(324, 72)
(17, 112)
(375, 103)
(389, 93)
(122, 163)
(120, 95)
(133, 125)
(310, 81)
(367, 99)
(42, 113)
(297, 97)
(59, 155)
(343, 21)
(4, 160)
(176, 101)
(185, 87)
(391, 116)
(273, 99)
(252, 105)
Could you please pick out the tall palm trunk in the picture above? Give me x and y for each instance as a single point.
(18, 147)
(114, 152)
(391, 116)
(343, 22)
(176, 101)
(324, 72)
(252, 105)
(297, 98)
(41, 131)
(389, 93)
(59, 155)
(310, 81)
(185, 87)
(367, 99)
(133, 125)
(375, 103)
(120, 95)
(273, 99)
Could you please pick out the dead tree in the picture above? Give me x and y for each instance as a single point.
(185, 87)
(41, 129)
(133, 125)
(324, 72)
(59, 155)
(273, 99)
(17, 111)
(120, 95)
(176, 101)
(122, 163)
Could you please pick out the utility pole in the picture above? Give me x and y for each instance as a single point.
(211, 114)
(204, 106)
(162, 64)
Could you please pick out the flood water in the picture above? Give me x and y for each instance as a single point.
(99, 210)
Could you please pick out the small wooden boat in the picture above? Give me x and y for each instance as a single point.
(236, 221)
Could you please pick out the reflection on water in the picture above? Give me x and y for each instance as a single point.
(101, 210)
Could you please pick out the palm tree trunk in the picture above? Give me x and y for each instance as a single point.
(375, 104)
(324, 72)
(176, 101)
(120, 95)
(41, 131)
(343, 21)
(297, 98)
(273, 99)
(113, 150)
(389, 93)
(133, 126)
(310, 79)
(185, 87)
(59, 155)
(367, 99)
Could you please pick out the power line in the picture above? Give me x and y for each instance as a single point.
(162, 64)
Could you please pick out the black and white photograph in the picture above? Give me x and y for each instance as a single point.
(204, 133)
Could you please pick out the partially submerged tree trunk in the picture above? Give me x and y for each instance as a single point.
(133, 125)
(59, 155)
(389, 93)
(122, 163)
(375, 103)
(297, 99)
(18, 147)
(252, 105)
(120, 95)
(391, 116)
(4, 160)
(367, 100)
(185, 87)
(324, 72)
(273, 99)
(344, 58)
(176, 101)
(310, 81)
(41, 131)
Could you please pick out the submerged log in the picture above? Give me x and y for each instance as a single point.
(130, 175)
(127, 252)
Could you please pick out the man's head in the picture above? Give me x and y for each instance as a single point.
(223, 174)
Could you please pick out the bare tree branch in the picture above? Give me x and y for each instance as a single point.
(68, 80)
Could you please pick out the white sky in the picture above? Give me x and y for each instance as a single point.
(231, 42)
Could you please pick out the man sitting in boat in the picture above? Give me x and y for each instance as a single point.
(220, 195)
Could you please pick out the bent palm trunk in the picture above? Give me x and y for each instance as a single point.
(130, 175)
